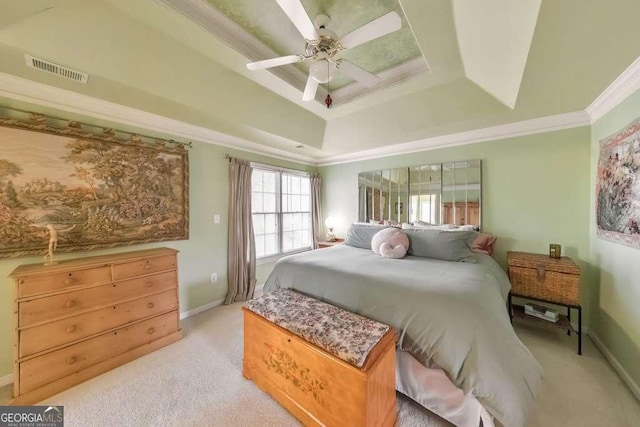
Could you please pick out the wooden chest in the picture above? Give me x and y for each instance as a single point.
(541, 277)
(77, 319)
(316, 387)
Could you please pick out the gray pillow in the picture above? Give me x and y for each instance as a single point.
(445, 245)
(360, 235)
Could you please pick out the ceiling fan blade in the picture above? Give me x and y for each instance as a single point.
(296, 13)
(310, 89)
(358, 74)
(275, 62)
(384, 25)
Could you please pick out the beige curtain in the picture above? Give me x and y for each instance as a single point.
(316, 210)
(242, 248)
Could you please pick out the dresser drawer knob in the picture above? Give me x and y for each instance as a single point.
(150, 331)
(72, 360)
(150, 305)
(71, 329)
(149, 284)
(70, 303)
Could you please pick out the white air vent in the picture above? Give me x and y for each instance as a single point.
(50, 67)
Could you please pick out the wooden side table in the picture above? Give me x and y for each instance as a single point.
(552, 280)
(323, 245)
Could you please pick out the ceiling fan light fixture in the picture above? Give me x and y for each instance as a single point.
(321, 71)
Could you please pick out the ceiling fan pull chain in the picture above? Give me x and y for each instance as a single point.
(328, 101)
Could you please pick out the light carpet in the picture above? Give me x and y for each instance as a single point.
(195, 382)
(198, 382)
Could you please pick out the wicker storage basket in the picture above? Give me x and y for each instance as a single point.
(539, 276)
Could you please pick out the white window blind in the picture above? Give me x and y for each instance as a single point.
(281, 209)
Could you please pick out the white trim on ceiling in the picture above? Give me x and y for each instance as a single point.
(37, 93)
(217, 23)
(390, 77)
(20, 89)
(625, 85)
(510, 130)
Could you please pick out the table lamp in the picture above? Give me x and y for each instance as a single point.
(330, 222)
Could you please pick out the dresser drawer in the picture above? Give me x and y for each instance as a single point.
(35, 285)
(40, 338)
(47, 368)
(54, 307)
(144, 266)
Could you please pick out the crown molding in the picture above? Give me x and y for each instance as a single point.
(510, 130)
(20, 89)
(625, 85)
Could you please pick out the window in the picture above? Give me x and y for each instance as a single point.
(424, 207)
(281, 210)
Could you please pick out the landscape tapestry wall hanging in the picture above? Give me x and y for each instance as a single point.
(96, 190)
(618, 187)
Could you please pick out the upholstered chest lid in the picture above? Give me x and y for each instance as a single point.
(347, 336)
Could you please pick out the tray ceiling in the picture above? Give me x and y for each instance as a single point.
(261, 30)
(508, 62)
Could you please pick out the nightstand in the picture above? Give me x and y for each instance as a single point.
(323, 245)
(552, 280)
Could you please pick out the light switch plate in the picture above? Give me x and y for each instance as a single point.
(216, 219)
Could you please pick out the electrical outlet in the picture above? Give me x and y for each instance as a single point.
(216, 219)
(214, 277)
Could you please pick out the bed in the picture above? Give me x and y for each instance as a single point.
(458, 354)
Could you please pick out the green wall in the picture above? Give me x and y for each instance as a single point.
(614, 306)
(204, 253)
(535, 192)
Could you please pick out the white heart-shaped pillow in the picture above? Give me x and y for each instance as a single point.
(388, 251)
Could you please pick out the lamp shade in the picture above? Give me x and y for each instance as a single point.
(330, 222)
(321, 71)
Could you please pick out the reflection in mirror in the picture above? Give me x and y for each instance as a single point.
(461, 185)
(383, 195)
(425, 191)
(448, 193)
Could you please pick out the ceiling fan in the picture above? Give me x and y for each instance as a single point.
(323, 47)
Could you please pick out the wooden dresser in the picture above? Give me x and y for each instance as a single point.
(77, 319)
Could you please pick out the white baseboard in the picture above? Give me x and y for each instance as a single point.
(6, 380)
(200, 309)
(633, 386)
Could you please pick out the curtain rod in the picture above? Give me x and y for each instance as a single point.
(33, 116)
(271, 167)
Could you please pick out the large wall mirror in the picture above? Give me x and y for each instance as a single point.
(443, 193)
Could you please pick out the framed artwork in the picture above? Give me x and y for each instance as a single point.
(618, 187)
(91, 189)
